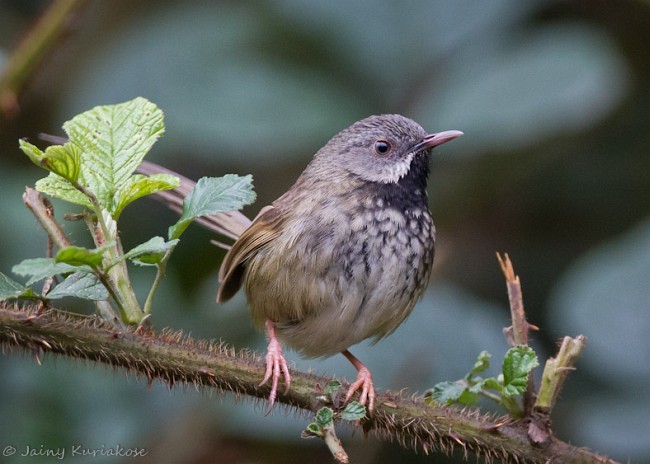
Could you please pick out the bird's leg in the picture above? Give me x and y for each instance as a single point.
(364, 381)
(276, 365)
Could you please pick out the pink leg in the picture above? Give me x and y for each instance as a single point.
(364, 381)
(276, 365)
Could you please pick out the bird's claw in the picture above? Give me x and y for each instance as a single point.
(363, 382)
(276, 366)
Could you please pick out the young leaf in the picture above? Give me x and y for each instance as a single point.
(446, 392)
(353, 411)
(64, 161)
(481, 364)
(492, 384)
(332, 387)
(78, 256)
(32, 151)
(468, 397)
(80, 285)
(9, 289)
(113, 140)
(324, 417)
(151, 252)
(40, 268)
(213, 195)
(517, 364)
(106, 146)
(138, 186)
(312, 431)
(57, 187)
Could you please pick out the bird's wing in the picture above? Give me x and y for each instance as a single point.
(265, 227)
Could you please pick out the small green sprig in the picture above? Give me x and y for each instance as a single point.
(95, 169)
(323, 424)
(517, 364)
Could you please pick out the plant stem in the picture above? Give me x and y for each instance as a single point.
(334, 445)
(517, 333)
(107, 313)
(33, 48)
(556, 371)
(119, 274)
(117, 279)
(41, 208)
(112, 291)
(493, 396)
(161, 268)
(512, 406)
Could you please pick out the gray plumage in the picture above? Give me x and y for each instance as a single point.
(345, 254)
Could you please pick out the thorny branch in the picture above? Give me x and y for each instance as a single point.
(173, 358)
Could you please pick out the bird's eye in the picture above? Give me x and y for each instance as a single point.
(382, 147)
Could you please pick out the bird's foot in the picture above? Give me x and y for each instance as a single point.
(276, 365)
(363, 382)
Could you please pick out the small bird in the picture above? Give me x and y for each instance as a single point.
(345, 253)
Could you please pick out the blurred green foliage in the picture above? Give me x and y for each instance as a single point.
(554, 169)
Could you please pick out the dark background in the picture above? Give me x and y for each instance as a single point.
(554, 100)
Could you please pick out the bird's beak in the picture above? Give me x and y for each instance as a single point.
(433, 140)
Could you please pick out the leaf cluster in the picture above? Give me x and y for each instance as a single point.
(95, 169)
(325, 417)
(516, 367)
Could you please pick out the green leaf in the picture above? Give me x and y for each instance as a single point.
(324, 417)
(517, 364)
(332, 387)
(151, 252)
(113, 140)
(213, 195)
(79, 256)
(353, 411)
(9, 289)
(138, 186)
(32, 151)
(468, 397)
(106, 146)
(80, 285)
(476, 388)
(481, 364)
(40, 268)
(447, 392)
(312, 431)
(64, 161)
(57, 187)
(492, 384)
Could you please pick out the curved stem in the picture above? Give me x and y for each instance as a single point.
(160, 273)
